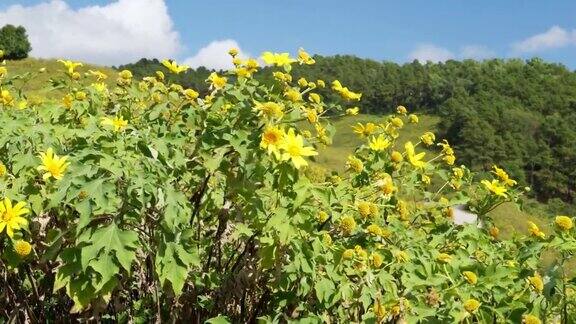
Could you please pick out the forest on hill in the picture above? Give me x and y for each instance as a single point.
(515, 113)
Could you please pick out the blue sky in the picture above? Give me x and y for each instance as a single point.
(383, 30)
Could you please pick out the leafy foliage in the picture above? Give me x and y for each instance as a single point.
(148, 201)
(515, 113)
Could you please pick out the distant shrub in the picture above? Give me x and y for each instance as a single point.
(14, 42)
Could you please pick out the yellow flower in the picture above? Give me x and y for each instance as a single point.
(278, 59)
(243, 72)
(471, 305)
(458, 173)
(374, 229)
(70, 65)
(6, 98)
(401, 256)
(269, 109)
(304, 58)
(322, 216)
(530, 319)
(349, 95)
(401, 110)
(271, 138)
(402, 208)
(191, 94)
(379, 143)
(347, 225)
(360, 252)
(336, 85)
(363, 208)
(536, 283)
(118, 122)
(3, 169)
(326, 239)
(321, 83)
(396, 157)
(413, 119)
(80, 95)
(470, 277)
(352, 111)
(564, 222)
(125, 74)
(99, 87)
(415, 159)
(354, 164)
(428, 138)
(22, 104)
(345, 92)
(379, 310)
(293, 95)
(535, 230)
(233, 52)
(53, 165)
(494, 232)
(446, 149)
(376, 260)
(3, 71)
(314, 97)
(217, 81)
(495, 187)
(444, 258)
(348, 254)
(294, 149)
(23, 248)
(397, 122)
(426, 179)
(449, 159)
(99, 75)
(252, 65)
(11, 216)
(503, 176)
(312, 115)
(386, 185)
(364, 130)
(173, 67)
(67, 101)
(302, 82)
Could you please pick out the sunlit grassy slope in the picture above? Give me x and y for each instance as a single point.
(36, 86)
(334, 157)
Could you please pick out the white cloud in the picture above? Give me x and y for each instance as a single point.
(555, 37)
(430, 52)
(120, 32)
(215, 55)
(476, 52)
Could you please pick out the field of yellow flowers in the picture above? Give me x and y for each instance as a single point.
(139, 201)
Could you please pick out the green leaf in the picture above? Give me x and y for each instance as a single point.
(170, 269)
(108, 239)
(324, 289)
(106, 267)
(218, 320)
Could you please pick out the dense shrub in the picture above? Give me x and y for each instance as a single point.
(145, 201)
(14, 42)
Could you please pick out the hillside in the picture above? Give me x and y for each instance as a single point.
(53, 69)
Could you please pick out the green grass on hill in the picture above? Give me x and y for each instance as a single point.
(333, 157)
(54, 70)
